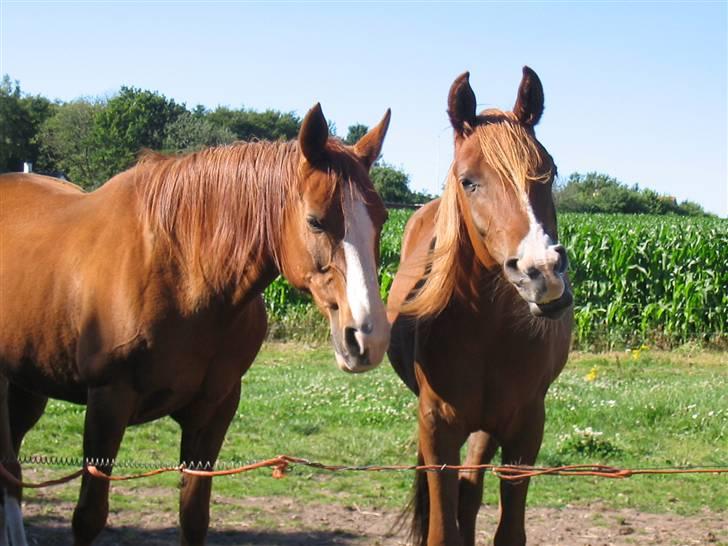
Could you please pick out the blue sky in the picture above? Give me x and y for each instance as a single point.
(637, 90)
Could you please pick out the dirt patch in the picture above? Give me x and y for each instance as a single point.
(278, 521)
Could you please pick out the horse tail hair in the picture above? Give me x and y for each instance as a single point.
(420, 506)
(417, 510)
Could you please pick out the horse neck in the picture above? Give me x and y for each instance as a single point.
(216, 217)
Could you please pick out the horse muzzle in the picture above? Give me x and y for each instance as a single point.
(542, 282)
(360, 349)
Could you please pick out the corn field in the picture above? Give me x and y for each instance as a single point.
(637, 280)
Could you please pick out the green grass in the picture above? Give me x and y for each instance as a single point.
(637, 409)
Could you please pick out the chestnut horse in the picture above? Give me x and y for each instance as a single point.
(481, 313)
(142, 298)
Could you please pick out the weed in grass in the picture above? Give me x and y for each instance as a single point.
(588, 444)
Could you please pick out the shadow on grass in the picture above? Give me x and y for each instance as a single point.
(54, 531)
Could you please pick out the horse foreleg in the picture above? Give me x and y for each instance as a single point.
(11, 520)
(201, 443)
(520, 446)
(26, 408)
(23, 409)
(481, 448)
(440, 442)
(108, 411)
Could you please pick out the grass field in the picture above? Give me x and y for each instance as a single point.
(641, 408)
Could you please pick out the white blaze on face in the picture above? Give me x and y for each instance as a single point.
(536, 248)
(362, 289)
(537, 252)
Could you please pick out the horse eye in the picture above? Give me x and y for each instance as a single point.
(468, 185)
(315, 224)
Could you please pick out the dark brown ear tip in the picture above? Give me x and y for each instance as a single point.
(386, 119)
(462, 78)
(530, 74)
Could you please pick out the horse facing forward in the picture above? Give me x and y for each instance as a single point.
(481, 312)
(142, 298)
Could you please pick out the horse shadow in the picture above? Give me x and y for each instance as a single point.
(55, 531)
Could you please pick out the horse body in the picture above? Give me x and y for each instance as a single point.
(98, 315)
(143, 298)
(481, 318)
(100, 302)
(494, 335)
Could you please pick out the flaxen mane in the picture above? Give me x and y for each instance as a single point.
(511, 150)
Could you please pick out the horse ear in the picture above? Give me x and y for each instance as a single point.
(370, 145)
(313, 135)
(461, 104)
(529, 103)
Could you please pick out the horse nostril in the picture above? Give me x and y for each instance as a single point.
(534, 273)
(512, 273)
(366, 328)
(563, 262)
(352, 344)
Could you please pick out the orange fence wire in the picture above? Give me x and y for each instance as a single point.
(282, 464)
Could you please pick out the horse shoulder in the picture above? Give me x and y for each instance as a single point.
(117, 286)
(415, 245)
(241, 341)
(416, 240)
(420, 227)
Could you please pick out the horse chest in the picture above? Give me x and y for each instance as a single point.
(181, 363)
(167, 383)
(484, 375)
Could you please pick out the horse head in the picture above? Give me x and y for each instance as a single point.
(331, 239)
(501, 184)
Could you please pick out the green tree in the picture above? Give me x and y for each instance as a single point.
(66, 141)
(597, 192)
(354, 133)
(192, 131)
(249, 124)
(132, 120)
(393, 185)
(20, 119)
(691, 208)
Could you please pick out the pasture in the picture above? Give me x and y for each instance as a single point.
(639, 408)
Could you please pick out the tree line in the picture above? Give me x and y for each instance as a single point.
(88, 140)
(596, 192)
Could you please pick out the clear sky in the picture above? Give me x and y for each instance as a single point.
(637, 90)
